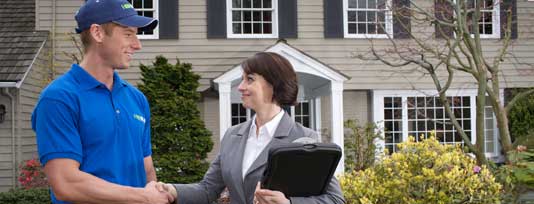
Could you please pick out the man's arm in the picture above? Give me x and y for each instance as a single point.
(149, 169)
(70, 184)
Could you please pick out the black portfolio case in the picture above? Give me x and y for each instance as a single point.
(299, 170)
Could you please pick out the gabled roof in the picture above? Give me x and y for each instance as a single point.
(301, 61)
(19, 42)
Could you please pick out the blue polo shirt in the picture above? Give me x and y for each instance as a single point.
(107, 132)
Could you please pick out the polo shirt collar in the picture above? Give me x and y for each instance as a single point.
(87, 81)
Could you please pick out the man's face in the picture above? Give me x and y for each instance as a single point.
(119, 46)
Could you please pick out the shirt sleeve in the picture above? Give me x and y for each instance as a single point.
(55, 124)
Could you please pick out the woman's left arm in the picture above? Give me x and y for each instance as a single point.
(332, 195)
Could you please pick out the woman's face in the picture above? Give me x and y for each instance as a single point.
(255, 91)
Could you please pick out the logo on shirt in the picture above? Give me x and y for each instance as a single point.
(139, 118)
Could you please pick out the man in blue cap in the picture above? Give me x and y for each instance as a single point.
(93, 128)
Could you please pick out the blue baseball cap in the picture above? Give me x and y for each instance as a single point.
(117, 11)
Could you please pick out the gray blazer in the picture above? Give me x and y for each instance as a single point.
(225, 170)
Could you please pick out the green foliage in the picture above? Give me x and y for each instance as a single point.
(517, 176)
(422, 172)
(180, 141)
(521, 118)
(359, 145)
(26, 196)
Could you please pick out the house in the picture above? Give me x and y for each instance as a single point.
(320, 39)
(24, 70)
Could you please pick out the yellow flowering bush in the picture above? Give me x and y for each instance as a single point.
(422, 172)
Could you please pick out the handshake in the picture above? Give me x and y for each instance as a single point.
(160, 193)
(166, 193)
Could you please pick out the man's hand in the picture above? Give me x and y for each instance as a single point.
(168, 188)
(265, 196)
(157, 196)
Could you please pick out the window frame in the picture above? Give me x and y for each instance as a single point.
(388, 21)
(292, 113)
(495, 23)
(155, 10)
(378, 113)
(274, 22)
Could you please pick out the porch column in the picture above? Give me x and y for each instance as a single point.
(225, 106)
(337, 121)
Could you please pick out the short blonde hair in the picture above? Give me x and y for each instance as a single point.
(87, 39)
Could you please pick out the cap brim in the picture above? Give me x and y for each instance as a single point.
(140, 22)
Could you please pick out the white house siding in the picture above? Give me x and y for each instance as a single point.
(210, 116)
(6, 152)
(212, 57)
(25, 144)
(37, 78)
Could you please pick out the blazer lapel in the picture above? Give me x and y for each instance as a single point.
(237, 174)
(280, 136)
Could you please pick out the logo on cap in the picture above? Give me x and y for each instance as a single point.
(126, 6)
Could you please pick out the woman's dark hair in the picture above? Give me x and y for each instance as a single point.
(278, 72)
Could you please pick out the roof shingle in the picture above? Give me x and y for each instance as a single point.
(19, 42)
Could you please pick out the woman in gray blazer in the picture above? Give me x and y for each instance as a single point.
(269, 82)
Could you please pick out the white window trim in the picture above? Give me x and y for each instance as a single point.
(314, 119)
(389, 23)
(229, 30)
(155, 35)
(378, 112)
(495, 23)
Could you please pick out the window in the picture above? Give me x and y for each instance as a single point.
(148, 8)
(252, 19)
(414, 114)
(301, 113)
(488, 24)
(239, 113)
(367, 18)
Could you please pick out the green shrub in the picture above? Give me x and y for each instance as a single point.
(517, 176)
(359, 145)
(521, 119)
(422, 172)
(180, 141)
(26, 196)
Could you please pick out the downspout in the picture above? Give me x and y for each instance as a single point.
(13, 156)
(53, 30)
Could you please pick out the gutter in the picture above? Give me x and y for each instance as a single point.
(8, 84)
(5, 91)
(53, 61)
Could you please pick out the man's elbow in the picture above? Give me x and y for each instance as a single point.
(62, 193)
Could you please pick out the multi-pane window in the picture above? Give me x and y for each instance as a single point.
(392, 122)
(488, 23)
(490, 130)
(253, 18)
(367, 18)
(302, 114)
(419, 115)
(239, 113)
(428, 113)
(146, 8)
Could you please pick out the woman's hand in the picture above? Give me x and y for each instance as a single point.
(265, 196)
(165, 187)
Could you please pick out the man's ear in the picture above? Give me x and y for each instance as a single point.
(97, 32)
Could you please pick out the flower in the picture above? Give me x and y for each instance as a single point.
(477, 169)
(521, 148)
